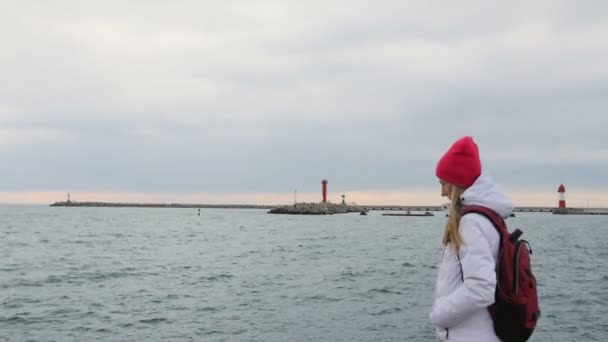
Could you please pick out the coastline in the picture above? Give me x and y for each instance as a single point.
(161, 205)
(387, 207)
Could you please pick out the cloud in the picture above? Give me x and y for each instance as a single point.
(268, 96)
(10, 137)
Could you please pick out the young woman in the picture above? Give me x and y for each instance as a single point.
(466, 281)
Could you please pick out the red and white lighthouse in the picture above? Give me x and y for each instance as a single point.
(562, 196)
(324, 182)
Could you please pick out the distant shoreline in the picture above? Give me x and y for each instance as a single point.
(258, 206)
(226, 206)
(161, 205)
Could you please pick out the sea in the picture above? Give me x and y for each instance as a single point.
(166, 274)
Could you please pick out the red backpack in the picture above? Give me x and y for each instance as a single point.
(516, 310)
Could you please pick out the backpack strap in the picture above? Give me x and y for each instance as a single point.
(488, 213)
(496, 220)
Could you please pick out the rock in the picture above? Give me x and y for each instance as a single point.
(315, 209)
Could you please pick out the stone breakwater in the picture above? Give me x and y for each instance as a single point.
(160, 205)
(316, 209)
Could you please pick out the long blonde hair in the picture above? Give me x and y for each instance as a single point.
(452, 234)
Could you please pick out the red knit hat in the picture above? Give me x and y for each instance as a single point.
(460, 165)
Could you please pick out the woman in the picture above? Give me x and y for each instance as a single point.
(466, 282)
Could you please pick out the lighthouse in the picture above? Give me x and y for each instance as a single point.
(324, 183)
(562, 196)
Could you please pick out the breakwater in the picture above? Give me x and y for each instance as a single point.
(388, 207)
(322, 208)
(580, 211)
(161, 205)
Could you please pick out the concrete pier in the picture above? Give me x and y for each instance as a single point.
(580, 211)
(161, 205)
(323, 208)
(423, 208)
(440, 208)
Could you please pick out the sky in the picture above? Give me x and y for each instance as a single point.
(258, 101)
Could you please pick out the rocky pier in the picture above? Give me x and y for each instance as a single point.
(323, 208)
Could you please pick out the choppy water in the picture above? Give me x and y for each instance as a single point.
(110, 274)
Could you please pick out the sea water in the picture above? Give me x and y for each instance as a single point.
(133, 274)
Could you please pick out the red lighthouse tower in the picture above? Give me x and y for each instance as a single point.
(324, 182)
(562, 196)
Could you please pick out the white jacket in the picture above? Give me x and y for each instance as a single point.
(460, 310)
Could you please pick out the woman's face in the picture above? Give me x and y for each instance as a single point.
(446, 189)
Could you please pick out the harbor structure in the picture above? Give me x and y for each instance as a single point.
(322, 208)
(562, 209)
(562, 196)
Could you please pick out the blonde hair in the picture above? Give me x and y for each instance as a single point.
(452, 234)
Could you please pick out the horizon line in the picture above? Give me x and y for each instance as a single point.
(252, 205)
(398, 197)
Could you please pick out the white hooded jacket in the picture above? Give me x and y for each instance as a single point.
(460, 310)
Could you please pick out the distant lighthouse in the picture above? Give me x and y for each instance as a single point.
(562, 196)
(324, 182)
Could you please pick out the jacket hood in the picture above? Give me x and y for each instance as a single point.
(486, 193)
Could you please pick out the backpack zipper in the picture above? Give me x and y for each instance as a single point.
(516, 265)
(498, 268)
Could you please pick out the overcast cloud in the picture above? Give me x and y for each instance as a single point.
(271, 96)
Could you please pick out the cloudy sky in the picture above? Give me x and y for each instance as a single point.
(247, 101)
